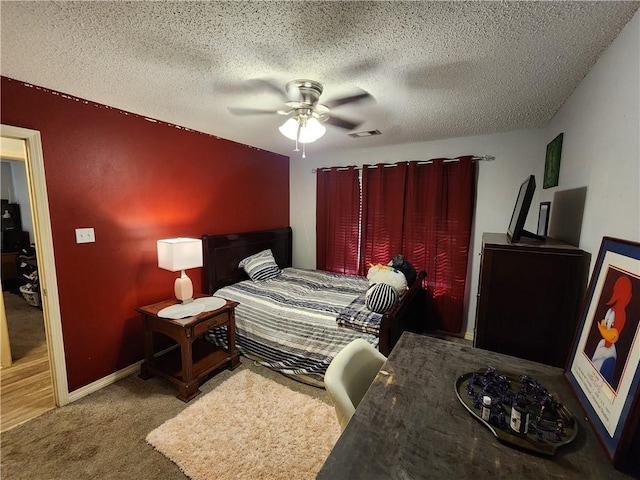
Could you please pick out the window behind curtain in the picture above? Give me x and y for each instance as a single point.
(338, 220)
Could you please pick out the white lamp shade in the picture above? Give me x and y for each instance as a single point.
(312, 131)
(175, 254)
(290, 129)
(307, 133)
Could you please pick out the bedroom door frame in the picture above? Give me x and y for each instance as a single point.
(46, 261)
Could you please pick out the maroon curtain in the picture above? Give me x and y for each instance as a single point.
(337, 220)
(440, 201)
(422, 210)
(382, 213)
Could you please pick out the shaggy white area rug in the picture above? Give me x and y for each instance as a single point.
(249, 427)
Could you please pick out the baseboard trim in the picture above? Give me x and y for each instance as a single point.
(110, 379)
(468, 336)
(104, 381)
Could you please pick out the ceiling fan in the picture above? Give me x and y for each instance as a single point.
(305, 113)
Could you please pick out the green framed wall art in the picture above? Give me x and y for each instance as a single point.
(552, 162)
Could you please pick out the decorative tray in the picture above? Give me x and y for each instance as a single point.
(550, 426)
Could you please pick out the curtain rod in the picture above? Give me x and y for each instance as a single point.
(479, 158)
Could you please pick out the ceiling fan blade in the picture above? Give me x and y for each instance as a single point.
(266, 84)
(251, 111)
(350, 99)
(252, 87)
(360, 67)
(342, 123)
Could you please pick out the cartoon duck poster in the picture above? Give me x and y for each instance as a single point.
(614, 325)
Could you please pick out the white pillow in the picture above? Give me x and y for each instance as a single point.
(260, 266)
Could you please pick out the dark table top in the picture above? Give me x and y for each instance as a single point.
(411, 424)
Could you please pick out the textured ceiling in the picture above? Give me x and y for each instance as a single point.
(436, 69)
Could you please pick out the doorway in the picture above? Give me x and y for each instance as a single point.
(25, 379)
(45, 372)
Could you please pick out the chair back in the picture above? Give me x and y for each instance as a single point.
(349, 376)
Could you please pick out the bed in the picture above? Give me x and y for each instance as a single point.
(297, 321)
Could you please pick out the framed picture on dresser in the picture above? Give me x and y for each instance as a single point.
(603, 366)
(543, 218)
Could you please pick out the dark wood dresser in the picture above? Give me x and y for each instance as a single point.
(529, 297)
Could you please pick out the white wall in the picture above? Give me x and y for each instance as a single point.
(601, 145)
(601, 126)
(6, 182)
(15, 185)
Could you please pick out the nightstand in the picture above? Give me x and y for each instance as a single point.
(189, 365)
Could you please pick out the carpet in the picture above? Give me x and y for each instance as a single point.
(249, 427)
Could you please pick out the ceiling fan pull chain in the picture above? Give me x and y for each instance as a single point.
(298, 135)
(304, 153)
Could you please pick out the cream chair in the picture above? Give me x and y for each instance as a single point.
(349, 376)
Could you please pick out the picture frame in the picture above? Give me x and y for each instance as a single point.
(552, 162)
(543, 218)
(608, 388)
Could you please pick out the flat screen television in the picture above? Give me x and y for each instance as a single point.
(520, 211)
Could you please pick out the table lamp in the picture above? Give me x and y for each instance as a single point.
(179, 254)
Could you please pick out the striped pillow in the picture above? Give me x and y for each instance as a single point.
(381, 297)
(260, 266)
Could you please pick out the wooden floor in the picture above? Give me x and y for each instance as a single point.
(26, 390)
(26, 387)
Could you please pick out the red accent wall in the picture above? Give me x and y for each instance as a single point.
(134, 181)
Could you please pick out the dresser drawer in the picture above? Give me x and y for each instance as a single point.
(202, 327)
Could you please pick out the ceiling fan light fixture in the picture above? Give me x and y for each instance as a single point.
(305, 111)
(303, 130)
(311, 131)
(290, 129)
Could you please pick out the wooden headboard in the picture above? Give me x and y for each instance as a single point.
(222, 254)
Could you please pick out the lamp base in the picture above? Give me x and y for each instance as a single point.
(183, 288)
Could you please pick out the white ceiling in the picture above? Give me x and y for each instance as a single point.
(436, 69)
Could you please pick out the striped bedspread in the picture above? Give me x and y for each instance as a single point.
(289, 322)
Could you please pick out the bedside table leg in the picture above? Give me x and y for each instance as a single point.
(148, 351)
(189, 387)
(188, 392)
(186, 351)
(144, 371)
(234, 361)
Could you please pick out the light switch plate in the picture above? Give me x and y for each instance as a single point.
(85, 235)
